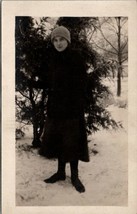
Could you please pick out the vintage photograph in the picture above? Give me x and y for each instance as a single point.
(71, 110)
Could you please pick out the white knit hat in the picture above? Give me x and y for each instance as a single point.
(62, 32)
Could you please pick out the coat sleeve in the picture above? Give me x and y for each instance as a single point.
(80, 80)
(81, 72)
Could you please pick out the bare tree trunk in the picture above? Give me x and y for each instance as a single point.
(119, 59)
(36, 141)
(119, 82)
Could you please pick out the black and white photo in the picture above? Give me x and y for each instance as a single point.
(69, 107)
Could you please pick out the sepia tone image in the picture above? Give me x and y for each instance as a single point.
(71, 90)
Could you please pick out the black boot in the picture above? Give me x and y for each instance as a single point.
(74, 177)
(60, 175)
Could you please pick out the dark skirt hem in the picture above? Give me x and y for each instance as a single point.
(50, 157)
(65, 139)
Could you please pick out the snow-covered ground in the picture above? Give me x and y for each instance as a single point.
(105, 177)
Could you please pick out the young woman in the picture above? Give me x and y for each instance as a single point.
(64, 135)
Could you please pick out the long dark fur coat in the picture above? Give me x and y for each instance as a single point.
(64, 135)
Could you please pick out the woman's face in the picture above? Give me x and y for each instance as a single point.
(60, 43)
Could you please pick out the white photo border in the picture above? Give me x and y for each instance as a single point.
(11, 9)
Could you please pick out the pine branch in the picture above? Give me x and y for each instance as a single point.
(27, 123)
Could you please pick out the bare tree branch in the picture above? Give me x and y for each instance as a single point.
(24, 95)
(122, 48)
(90, 34)
(99, 28)
(104, 49)
(38, 92)
(18, 105)
(124, 22)
(108, 41)
(31, 97)
(125, 59)
(27, 123)
(114, 28)
(124, 52)
(116, 20)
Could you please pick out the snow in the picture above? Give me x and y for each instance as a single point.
(105, 177)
